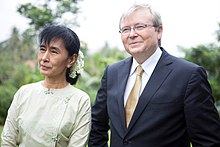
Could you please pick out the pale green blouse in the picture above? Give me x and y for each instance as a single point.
(39, 117)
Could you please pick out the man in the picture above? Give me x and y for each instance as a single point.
(174, 106)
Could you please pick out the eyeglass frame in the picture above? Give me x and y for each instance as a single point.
(134, 28)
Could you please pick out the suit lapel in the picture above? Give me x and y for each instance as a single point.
(123, 74)
(157, 78)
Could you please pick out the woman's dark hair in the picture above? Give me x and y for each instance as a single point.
(70, 40)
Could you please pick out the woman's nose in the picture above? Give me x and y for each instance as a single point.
(46, 57)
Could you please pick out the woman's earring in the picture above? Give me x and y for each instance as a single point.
(68, 66)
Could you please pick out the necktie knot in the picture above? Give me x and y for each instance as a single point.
(139, 70)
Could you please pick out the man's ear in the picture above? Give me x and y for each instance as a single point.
(160, 31)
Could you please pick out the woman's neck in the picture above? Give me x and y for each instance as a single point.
(54, 84)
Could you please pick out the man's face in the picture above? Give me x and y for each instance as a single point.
(140, 41)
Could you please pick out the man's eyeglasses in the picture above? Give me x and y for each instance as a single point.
(137, 28)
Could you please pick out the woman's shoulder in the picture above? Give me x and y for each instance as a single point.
(78, 94)
(78, 91)
(30, 86)
(26, 91)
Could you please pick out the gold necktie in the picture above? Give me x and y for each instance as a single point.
(133, 96)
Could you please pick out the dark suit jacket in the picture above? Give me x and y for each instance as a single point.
(175, 108)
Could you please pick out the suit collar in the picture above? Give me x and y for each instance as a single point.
(123, 75)
(158, 76)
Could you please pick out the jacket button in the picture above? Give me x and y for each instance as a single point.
(125, 141)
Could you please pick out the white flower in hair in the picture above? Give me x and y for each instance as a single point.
(77, 68)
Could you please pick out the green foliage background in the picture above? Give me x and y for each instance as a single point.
(18, 54)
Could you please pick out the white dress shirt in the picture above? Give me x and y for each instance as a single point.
(148, 67)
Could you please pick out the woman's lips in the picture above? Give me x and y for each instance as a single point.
(43, 67)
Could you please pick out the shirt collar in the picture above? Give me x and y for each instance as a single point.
(148, 65)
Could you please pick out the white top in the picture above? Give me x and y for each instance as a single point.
(148, 67)
(39, 117)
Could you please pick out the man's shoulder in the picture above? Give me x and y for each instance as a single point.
(184, 63)
(178, 61)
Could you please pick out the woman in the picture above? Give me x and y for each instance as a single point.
(51, 113)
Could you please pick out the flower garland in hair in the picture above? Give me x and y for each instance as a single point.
(77, 68)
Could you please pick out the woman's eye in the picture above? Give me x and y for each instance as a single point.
(42, 49)
(54, 51)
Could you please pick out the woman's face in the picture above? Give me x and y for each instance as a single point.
(53, 59)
